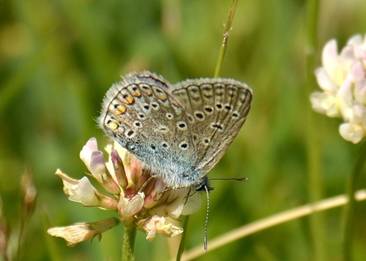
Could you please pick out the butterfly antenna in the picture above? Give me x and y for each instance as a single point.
(235, 179)
(205, 230)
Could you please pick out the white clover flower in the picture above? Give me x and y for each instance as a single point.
(137, 197)
(342, 79)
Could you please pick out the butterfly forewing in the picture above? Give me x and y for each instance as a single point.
(217, 108)
(141, 114)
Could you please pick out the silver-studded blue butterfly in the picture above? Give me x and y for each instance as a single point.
(178, 131)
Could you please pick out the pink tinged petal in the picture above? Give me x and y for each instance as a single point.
(82, 191)
(154, 190)
(324, 103)
(119, 169)
(324, 81)
(351, 132)
(345, 98)
(330, 57)
(94, 160)
(358, 71)
(97, 167)
(128, 207)
(80, 232)
(87, 150)
(132, 166)
(360, 92)
(160, 225)
(347, 56)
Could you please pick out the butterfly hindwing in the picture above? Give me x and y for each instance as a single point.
(216, 108)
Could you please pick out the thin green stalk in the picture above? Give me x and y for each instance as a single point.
(313, 153)
(182, 240)
(349, 212)
(225, 38)
(128, 242)
(271, 221)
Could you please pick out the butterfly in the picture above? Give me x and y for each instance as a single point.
(179, 131)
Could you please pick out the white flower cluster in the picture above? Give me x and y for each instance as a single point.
(342, 79)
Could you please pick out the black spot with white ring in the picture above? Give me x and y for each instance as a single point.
(199, 115)
(209, 110)
(130, 134)
(155, 106)
(235, 115)
(146, 107)
(169, 116)
(219, 106)
(141, 116)
(137, 124)
(182, 125)
(183, 145)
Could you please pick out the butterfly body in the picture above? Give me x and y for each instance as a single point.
(178, 131)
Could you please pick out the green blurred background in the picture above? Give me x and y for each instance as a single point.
(58, 58)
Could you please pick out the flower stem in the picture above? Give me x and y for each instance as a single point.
(225, 38)
(349, 212)
(271, 221)
(181, 244)
(128, 242)
(314, 172)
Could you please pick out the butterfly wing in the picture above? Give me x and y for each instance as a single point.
(141, 114)
(216, 109)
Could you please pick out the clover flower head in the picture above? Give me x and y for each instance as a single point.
(342, 79)
(128, 188)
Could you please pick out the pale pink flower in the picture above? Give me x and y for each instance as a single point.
(130, 190)
(342, 79)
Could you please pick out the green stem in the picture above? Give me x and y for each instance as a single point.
(225, 38)
(182, 240)
(349, 212)
(313, 153)
(128, 242)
